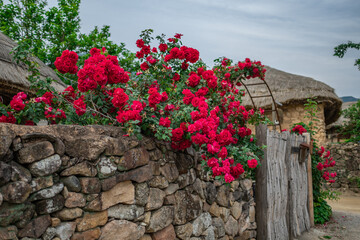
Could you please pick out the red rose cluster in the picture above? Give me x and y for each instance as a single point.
(171, 95)
(328, 162)
(298, 129)
(67, 62)
(17, 102)
(99, 70)
(8, 119)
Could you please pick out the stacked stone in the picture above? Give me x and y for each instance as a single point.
(72, 182)
(347, 157)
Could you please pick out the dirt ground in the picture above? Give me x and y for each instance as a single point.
(345, 222)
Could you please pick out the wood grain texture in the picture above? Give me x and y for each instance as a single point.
(281, 187)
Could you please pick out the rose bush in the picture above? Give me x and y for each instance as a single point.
(170, 94)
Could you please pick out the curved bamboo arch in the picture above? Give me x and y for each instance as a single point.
(276, 119)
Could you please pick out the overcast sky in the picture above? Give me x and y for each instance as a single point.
(296, 36)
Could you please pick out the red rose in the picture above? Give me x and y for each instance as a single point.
(177, 134)
(140, 43)
(163, 47)
(144, 66)
(252, 163)
(193, 80)
(164, 122)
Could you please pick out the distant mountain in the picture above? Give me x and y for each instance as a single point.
(349, 99)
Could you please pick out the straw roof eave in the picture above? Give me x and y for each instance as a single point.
(289, 89)
(13, 76)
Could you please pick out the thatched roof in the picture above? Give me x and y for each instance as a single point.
(13, 77)
(290, 89)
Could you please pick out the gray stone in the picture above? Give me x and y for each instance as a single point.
(75, 200)
(46, 166)
(16, 192)
(236, 210)
(199, 188)
(159, 182)
(173, 187)
(125, 212)
(246, 184)
(187, 178)
(84, 169)
(19, 173)
(10, 232)
(11, 213)
(167, 233)
(5, 173)
(219, 225)
(47, 192)
(26, 217)
(184, 231)
(160, 219)
(89, 147)
(90, 185)
(121, 229)
(65, 230)
(209, 233)
(184, 162)
(41, 183)
(231, 227)
(201, 224)
(134, 158)
(187, 207)
(139, 175)
(67, 214)
(49, 234)
(35, 151)
(223, 196)
(106, 167)
(156, 199)
(6, 137)
(141, 194)
(36, 227)
(50, 205)
(210, 193)
(170, 172)
(72, 183)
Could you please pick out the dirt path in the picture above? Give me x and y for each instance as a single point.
(345, 222)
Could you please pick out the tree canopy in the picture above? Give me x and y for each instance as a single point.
(47, 31)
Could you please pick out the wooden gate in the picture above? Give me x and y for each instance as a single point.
(283, 185)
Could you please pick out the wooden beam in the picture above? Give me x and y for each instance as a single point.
(261, 187)
(310, 185)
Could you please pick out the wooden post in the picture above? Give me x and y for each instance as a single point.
(261, 186)
(310, 185)
(274, 115)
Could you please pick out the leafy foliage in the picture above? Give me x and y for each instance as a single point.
(352, 126)
(47, 32)
(341, 49)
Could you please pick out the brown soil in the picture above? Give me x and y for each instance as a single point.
(344, 224)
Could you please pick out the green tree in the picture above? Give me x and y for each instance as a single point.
(46, 32)
(352, 126)
(341, 49)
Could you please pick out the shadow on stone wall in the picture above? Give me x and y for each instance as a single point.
(347, 157)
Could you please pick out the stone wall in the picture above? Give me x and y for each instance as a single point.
(347, 157)
(296, 113)
(73, 182)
